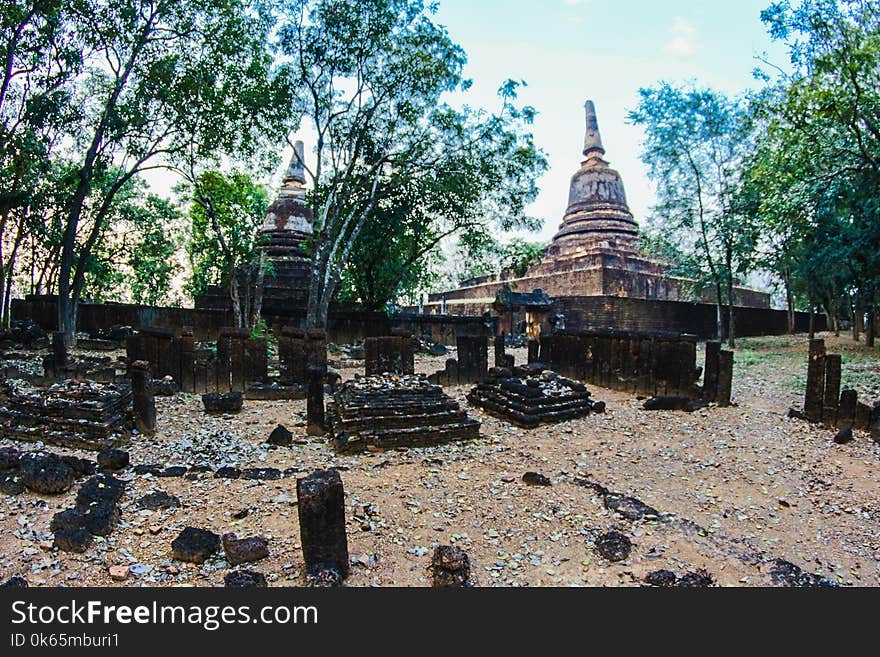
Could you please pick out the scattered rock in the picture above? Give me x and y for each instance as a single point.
(101, 518)
(9, 458)
(118, 573)
(630, 508)
(661, 578)
(280, 436)
(697, 579)
(80, 467)
(148, 468)
(46, 474)
(785, 573)
(158, 500)
(244, 579)
(195, 545)
(74, 539)
(100, 488)
(244, 550)
(15, 583)
(227, 472)
(113, 459)
(324, 575)
(673, 403)
(438, 349)
(450, 566)
(536, 479)
(844, 436)
(261, 473)
(67, 519)
(223, 402)
(614, 546)
(11, 485)
(173, 471)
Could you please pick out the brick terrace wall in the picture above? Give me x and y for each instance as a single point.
(593, 313)
(345, 325)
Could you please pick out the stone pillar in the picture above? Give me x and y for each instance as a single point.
(832, 388)
(321, 509)
(187, 362)
(533, 351)
(315, 402)
(473, 358)
(725, 377)
(499, 350)
(59, 351)
(143, 402)
(814, 397)
(710, 372)
(389, 354)
(846, 410)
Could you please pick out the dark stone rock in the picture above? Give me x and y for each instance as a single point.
(173, 471)
(844, 436)
(46, 474)
(662, 578)
(438, 349)
(166, 387)
(280, 436)
(697, 579)
(261, 473)
(614, 546)
(11, 485)
(324, 575)
(148, 468)
(793, 413)
(450, 566)
(67, 519)
(15, 583)
(630, 508)
(223, 402)
(74, 539)
(80, 467)
(113, 459)
(158, 500)
(673, 403)
(244, 550)
(536, 479)
(598, 406)
(195, 545)
(8, 459)
(100, 488)
(785, 573)
(245, 579)
(101, 518)
(227, 472)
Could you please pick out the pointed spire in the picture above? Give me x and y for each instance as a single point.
(592, 138)
(296, 170)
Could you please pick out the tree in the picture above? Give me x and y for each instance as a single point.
(372, 77)
(695, 140)
(163, 81)
(226, 212)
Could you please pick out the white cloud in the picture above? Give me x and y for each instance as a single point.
(684, 38)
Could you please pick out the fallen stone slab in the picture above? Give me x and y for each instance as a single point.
(785, 573)
(614, 546)
(244, 550)
(536, 479)
(223, 402)
(195, 545)
(100, 488)
(46, 474)
(158, 500)
(244, 579)
(113, 459)
(673, 403)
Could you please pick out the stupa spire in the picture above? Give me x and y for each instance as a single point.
(592, 138)
(296, 170)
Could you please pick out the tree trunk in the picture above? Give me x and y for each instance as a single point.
(789, 300)
(871, 326)
(731, 324)
(719, 312)
(856, 320)
(812, 320)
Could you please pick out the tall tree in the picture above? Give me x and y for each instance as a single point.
(695, 140)
(372, 77)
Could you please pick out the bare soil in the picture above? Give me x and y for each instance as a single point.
(738, 488)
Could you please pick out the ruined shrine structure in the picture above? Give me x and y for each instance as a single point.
(527, 398)
(388, 411)
(595, 253)
(76, 414)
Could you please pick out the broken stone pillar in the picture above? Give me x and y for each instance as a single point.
(846, 410)
(143, 401)
(533, 351)
(321, 508)
(814, 397)
(187, 362)
(315, 402)
(450, 567)
(473, 358)
(725, 377)
(59, 351)
(499, 350)
(710, 373)
(832, 388)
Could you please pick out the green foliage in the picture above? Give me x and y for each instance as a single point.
(226, 212)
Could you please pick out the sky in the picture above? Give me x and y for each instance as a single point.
(568, 51)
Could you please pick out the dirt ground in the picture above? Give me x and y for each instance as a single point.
(739, 487)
